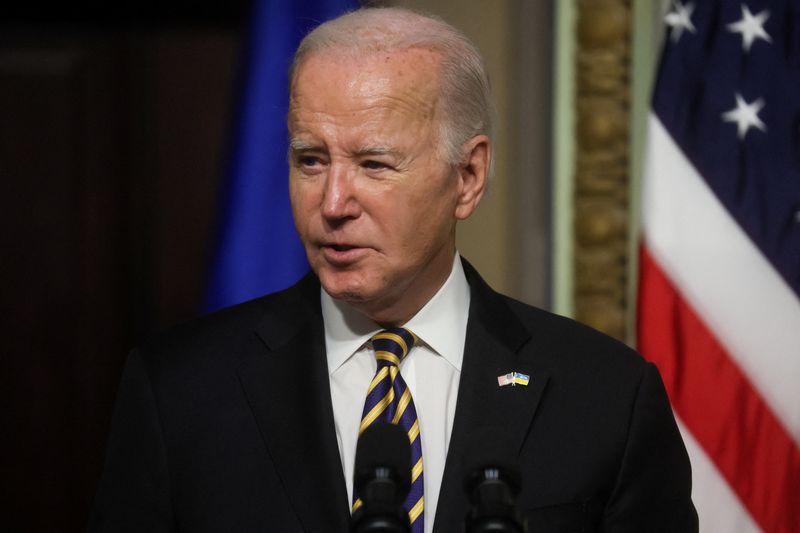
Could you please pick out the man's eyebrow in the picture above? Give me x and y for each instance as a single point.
(298, 145)
(377, 149)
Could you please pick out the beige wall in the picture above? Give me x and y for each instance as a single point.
(506, 239)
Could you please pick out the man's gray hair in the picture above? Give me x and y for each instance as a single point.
(465, 95)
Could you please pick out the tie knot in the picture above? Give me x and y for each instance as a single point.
(392, 345)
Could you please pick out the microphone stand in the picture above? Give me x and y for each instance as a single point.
(382, 480)
(492, 491)
(380, 511)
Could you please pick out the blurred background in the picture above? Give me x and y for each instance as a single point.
(118, 126)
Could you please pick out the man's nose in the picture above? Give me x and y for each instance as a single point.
(339, 196)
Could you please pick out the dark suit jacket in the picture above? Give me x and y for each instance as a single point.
(226, 424)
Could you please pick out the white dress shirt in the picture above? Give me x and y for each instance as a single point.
(431, 370)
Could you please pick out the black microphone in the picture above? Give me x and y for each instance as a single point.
(492, 487)
(382, 480)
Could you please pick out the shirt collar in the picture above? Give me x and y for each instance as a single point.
(441, 323)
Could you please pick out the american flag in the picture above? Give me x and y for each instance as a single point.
(506, 379)
(719, 299)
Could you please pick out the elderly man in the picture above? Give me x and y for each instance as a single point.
(247, 420)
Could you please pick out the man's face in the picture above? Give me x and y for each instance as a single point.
(374, 203)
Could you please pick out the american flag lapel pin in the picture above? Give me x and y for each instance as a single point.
(506, 379)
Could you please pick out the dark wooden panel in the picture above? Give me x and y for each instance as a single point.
(191, 71)
(124, 12)
(111, 150)
(63, 269)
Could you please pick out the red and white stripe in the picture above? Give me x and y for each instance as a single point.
(724, 329)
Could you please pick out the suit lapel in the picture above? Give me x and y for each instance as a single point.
(495, 345)
(289, 392)
(288, 389)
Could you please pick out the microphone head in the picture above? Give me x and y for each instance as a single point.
(383, 451)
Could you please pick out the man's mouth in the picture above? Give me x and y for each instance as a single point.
(342, 254)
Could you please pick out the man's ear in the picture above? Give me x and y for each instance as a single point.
(473, 174)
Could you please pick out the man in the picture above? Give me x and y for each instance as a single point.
(247, 420)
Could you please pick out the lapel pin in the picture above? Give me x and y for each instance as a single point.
(513, 379)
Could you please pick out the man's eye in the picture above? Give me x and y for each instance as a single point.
(308, 161)
(374, 165)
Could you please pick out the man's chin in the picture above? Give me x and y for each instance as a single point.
(346, 296)
(339, 287)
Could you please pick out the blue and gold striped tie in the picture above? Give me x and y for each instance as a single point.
(389, 401)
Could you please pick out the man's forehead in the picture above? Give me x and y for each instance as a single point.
(341, 55)
(382, 88)
(369, 71)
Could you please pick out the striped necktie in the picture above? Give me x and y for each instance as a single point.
(389, 401)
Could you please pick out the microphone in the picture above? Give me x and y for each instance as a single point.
(382, 480)
(492, 487)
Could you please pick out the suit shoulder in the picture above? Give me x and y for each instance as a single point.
(226, 332)
(557, 334)
(203, 330)
(560, 341)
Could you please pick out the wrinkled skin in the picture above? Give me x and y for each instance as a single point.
(374, 203)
